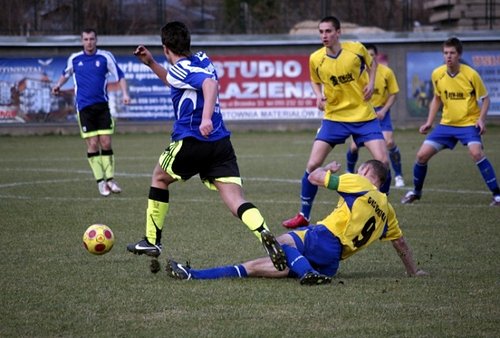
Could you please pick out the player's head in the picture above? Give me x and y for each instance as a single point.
(371, 47)
(375, 170)
(333, 20)
(89, 40)
(454, 43)
(176, 37)
(329, 31)
(452, 50)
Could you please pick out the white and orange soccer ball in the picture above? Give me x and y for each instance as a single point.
(98, 239)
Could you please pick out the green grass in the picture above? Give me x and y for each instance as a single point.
(50, 286)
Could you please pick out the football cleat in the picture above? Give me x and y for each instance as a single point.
(410, 197)
(495, 202)
(298, 221)
(274, 250)
(114, 187)
(144, 247)
(399, 181)
(103, 188)
(178, 271)
(314, 278)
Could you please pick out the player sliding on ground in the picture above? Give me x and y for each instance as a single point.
(313, 253)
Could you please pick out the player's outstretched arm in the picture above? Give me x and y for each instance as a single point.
(146, 57)
(318, 175)
(404, 252)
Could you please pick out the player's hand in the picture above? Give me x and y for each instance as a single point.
(126, 99)
(381, 115)
(320, 103)
(56, 90)
(482, 126)
(368, 92)
(144, 55)
(333, 166)
(424, 129)
(206, 127)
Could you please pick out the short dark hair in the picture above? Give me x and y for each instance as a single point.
(88, 31)
(176, 36)
(333, 20)
(454, 42)
(372, 47)
(380, 169)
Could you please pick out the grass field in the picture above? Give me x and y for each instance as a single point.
(50, 286)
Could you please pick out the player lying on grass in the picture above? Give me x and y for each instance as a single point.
(313, 253)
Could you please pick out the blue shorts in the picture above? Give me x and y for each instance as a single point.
(448, 136)
(321, 248)
(385, 123)
(335, 133)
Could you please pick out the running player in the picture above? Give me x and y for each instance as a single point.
(90, 69)
(362, 215)
(458, 88)
(340, 80)
(200, 143)
(384, 96)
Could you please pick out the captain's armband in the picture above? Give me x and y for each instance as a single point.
(331, 181)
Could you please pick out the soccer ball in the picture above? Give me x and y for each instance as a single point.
(98, 239)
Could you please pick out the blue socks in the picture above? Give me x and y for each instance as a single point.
(386, 186)
(351, 159)
(307, 195)
(295, 261)
(419, 173)
(228, 271)
(395, 157)
(488, 174)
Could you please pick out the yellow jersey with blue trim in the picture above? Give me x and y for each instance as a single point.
(343, 76)
(460, 94)
(363, 215)
(385, 85)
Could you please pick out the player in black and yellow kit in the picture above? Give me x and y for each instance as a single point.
(458, 88)
(362, 216)
(200, 143)
(342, 78)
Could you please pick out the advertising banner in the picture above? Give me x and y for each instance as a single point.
(251, 88)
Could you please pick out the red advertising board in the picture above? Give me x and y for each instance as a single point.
(265, 87)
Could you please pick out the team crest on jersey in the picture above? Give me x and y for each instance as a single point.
(80, 63)
(98, 63)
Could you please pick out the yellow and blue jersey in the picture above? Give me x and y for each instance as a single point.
(343, 76)
(460, 94)
(363, 215)
(385, 85)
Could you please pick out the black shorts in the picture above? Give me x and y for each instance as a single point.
(95, 120)
(211, 160)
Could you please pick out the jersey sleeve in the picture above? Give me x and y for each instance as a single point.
(353, 183)
(358, 49)
(185, 76)
(68, 71)
(313, 66)
(392, 230)
(436, 75)
(114, 72)
(480, 88)
(392, 82)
